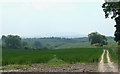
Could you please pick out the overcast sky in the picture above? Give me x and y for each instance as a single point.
(53, 17)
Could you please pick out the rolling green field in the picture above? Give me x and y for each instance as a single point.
(75, 45)
(61, 43)
(111, 42)
(84, 44)
(71, 55)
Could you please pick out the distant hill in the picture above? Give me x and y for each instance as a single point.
(54, 41)
(75, 45)
(57, 42)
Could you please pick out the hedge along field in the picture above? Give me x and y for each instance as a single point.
(71, 55)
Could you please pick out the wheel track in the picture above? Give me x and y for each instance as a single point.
(107, 67)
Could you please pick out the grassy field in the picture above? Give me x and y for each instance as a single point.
(73, 55)
(84, 44)
(75, 45)
(54, 41)
(60, 43)
(111, 42)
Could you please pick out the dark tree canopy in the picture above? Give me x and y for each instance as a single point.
(113, 8)
(3, 38)
(95, 37)
(12, 41)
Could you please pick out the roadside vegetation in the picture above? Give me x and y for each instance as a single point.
(114, 54)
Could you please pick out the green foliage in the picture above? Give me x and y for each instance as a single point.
(53, 42)
(0, 56)
(55, 61)
(86, 44)
(3, 38)
(12, 41)
(114, 54)
(113, 8)
(96, 45)
(73, 55)
(95, 37)
(105, 57)
(24, 43)
(119, 43)
(37, 44)
(3, 41)
(75, 45)
(111, 41)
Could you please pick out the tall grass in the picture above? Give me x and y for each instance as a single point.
(105, 57)
(73, 55)
(114, 54)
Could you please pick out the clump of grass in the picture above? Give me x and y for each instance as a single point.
(105, 57)
(55, 61)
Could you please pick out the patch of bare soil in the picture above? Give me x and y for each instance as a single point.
(61, 68)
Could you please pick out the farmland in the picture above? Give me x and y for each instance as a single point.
(69, 56)
(84, 44)
(62, 43)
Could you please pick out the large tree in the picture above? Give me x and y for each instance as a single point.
(13, 41)
(3, 38)
(95, 37)
(113, 8)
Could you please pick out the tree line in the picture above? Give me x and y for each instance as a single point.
(16, 42)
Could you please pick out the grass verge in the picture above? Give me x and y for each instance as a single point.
(105, 57)
(14, 66)
(113, 53)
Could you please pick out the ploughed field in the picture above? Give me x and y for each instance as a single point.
(68, 56)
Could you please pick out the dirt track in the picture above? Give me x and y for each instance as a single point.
(107, 67)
